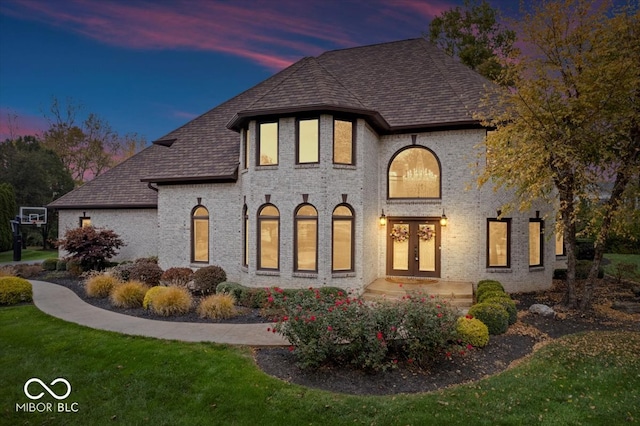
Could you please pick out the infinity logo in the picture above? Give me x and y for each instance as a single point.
(52, 393)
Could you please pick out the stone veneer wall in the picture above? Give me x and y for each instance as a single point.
(138, 228)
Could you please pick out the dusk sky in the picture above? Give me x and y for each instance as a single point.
(148, 67)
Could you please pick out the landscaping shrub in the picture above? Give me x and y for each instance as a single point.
(74, 268)
(559, 274)
(100, 286)
(177, 276)
(487, 285)
(508, 304)
(8, 271)
(15, 290)
(61, 265)
(255, 298)
(217, 306)
(49, 264)
(325, 327)
(493, 315)
(91, 247)
(206, 279)
(150, 294)
(489, 294)
(585, 249)
(583, 267)
(129, 295)
(234, 289)
(27, 271)
(122, 271)
(472, 331)
(150, 259)
(145, 271)
(171, 301)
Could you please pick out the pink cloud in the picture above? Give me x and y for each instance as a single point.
(14, 124)
(257, 31)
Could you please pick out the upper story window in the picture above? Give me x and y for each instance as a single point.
(245, 147)
(536, 242)
(308, 137)
(414, 172)
(245, 236)
(498, 243)
(560, 244)
(200, 234)
(306, 239)
(343, 142)
(268, 144)
(85, 222)
(269, 237)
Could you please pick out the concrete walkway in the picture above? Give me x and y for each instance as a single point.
(60, 302)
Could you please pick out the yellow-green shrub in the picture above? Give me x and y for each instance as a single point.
(493, 315)
(128, 295)
(472, 331)
(508, 304)
(171, 301)
(151, 294)
(100, 286)
(15, 290)
(217, 306)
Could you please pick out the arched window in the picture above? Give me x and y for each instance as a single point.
(245, 236)
(200, 234)
(414, 172)
(343, 230)
(268, 237)
(306, 239)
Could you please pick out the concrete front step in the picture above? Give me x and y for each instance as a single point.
(458, 293)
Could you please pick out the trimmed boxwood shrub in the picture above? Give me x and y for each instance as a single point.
(129, 295)
(489, 294)
(508, 304)
(15, 290)
(493, 315)
(100, 286)
(233, 289)
(50, 264)
(559, 274)
(472, 331)
(486, 286)
(61, 265)
(206, 279)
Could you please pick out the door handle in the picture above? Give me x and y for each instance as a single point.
(415, 253)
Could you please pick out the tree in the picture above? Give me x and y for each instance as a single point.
(569, 121)
(474, 35)
(87, 148)
(36, 173)
(91, 247)
(8, 211)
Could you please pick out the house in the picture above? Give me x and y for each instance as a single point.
(340, 169)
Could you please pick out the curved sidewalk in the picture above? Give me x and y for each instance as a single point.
(60, 302)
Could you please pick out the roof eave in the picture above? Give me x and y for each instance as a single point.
(176, 180)
(102, 206)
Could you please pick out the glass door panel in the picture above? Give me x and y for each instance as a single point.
(427, 248)
(400, 234)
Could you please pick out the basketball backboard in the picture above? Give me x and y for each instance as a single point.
(33, 215)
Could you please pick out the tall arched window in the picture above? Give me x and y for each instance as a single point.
(343, 230)
(306, 239)
(268, 237)
(200, 234)
(245, 236)
(414, 172)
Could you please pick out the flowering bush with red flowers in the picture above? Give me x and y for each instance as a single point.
(339, 328)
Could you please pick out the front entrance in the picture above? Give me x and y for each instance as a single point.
(413, 247)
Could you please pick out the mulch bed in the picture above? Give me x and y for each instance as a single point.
(501, 352)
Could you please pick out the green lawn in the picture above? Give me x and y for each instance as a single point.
(30, 254)
(118, 379)
(633, 259)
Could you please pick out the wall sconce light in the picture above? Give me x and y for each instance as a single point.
(443, 219)
(383, 219)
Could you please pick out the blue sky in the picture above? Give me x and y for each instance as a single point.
(148, 67)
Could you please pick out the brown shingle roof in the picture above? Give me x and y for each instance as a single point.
(396, 86)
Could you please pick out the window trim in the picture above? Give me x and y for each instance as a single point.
(193, 235)
(296, 220)
(440, 178)
(541, 246)
(259, 220)
(245, 236)
(298, 120)
(353, 140)
(351, 219)
(488, 257)
(246, 135)
(259, 143)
